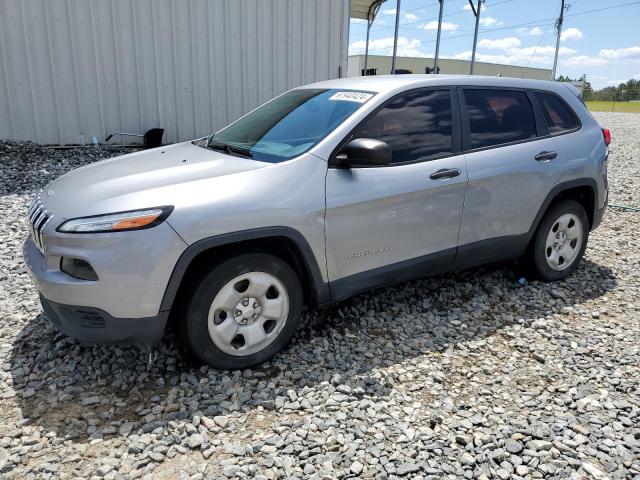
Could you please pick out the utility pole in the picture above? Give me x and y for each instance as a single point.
(476, 12)
(395, 39)
(558, 35)
(435, 59)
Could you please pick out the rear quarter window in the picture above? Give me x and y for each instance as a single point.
(558, 115)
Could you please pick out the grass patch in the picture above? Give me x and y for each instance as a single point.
(597, 106)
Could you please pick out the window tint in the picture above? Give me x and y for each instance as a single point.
(291, 123)
(416, 126)
(557, 113)
(498, 116)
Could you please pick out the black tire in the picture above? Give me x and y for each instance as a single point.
(194, 324)
(538, 250)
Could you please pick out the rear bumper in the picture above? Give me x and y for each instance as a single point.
(91, 325)
(599, 213)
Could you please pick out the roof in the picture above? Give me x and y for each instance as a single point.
(360, 8)
(393, 83)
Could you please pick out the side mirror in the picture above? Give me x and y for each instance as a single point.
(365, 152)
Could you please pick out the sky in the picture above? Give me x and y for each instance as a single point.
(600, 38)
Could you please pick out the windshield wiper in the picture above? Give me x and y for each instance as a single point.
(228, 148)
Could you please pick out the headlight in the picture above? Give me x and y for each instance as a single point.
(117, 222)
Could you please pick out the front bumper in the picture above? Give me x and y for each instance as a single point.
(133, 269)
(123, 305)
(91, 325)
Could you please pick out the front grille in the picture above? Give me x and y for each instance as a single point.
(38, 219)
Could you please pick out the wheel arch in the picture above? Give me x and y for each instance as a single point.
(583, 190)
(284, 242)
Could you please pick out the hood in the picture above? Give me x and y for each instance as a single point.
(138, 180)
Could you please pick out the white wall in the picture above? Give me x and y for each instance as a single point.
(74, 68)
(447, 65)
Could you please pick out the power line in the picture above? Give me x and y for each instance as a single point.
(606, 17)
(510, 27)
(500, 3)
(423, 20)
(540, 22)
(548, 23)
(538, 45)
(536, 23)
(604, 8)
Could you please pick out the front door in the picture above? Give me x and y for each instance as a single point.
(386, 224)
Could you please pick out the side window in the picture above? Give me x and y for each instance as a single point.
(498, 116)
(557, 113)
(416, 126)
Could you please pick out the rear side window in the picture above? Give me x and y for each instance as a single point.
(498, 116)
(416, 125)
(557, 113)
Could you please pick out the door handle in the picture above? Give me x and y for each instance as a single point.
(545, 156)
(445, 173)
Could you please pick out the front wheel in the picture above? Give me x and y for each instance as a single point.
(560, 241)
(243, 312)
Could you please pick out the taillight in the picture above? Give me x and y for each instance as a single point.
(607, 136)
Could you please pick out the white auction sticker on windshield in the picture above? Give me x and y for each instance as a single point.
(351, 96)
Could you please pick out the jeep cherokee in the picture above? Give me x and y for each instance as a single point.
(325, 191)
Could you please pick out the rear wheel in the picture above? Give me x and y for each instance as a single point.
(243, 312)
(560, 240)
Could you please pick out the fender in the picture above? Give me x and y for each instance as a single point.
(561, 187)
(320, 288)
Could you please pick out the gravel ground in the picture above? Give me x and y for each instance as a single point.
(467, 375)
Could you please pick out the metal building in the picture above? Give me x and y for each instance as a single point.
(382, 65)
(74, 69)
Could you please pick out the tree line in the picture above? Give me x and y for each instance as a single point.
(629, 90)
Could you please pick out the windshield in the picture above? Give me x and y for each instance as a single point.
(290, 124)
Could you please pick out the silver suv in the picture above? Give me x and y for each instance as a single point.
(328, 190)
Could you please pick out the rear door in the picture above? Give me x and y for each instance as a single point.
(560, 119)
(385, 224)
(512, 164)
